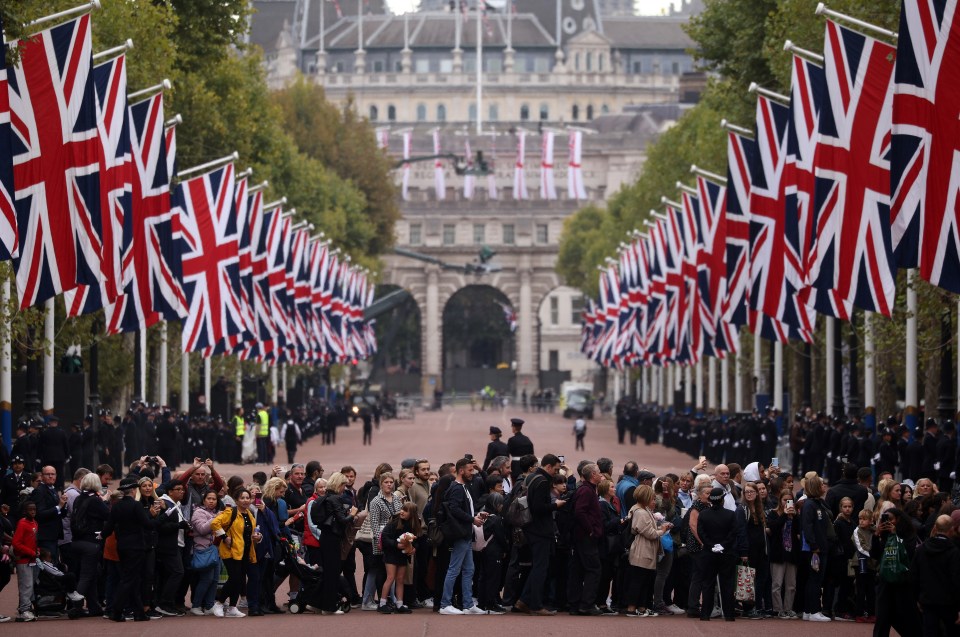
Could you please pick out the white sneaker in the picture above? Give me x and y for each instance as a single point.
(716, 613)
(218, 609)
(242, 603)
(805, 617)
(428, 602)
(74, 596)
(474, 610)
(4, 619)
(233, 612)
(818, 617)
(676, 610)
(210, 611)
(370, 606)
(26, 616)
(196, 610)
(450, 610)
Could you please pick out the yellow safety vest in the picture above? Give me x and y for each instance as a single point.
(264, 430)
(239, 426)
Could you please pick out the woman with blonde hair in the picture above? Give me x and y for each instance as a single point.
(644, 552)
(890, 497)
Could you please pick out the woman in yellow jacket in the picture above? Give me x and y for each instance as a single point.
(238, 533)
(644, 553)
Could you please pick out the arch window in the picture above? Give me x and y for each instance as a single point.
(472, 112)
(392, 113)
(589, 61)
(544, 112)
(590, 112)
(441, 113)
(576, 61)
(421, 112)
(374, 112)
(601, 59)
(493, 113)
(524, 113)
(575, 112)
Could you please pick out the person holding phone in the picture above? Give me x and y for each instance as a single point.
(238, 529)
(258, 598)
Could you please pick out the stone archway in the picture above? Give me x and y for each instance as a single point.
(399, 335)
(479, 343)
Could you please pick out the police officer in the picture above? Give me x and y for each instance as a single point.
(887, 456)
(518, 445)
(496, 447)
(263, 432)
(239, 431)
(54, 447)
(12, 484)
(928, 467)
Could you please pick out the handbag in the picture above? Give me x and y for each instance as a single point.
(745, 583)
(365, 532)
(480, 540)
(204, 558)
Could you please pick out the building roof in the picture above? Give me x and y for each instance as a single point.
(647, 33)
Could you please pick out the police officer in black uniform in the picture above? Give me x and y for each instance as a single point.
(12, 484)
(931, 438)
(495, 448)
(518, 445)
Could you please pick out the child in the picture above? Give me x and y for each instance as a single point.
(845, 526)
(397, 549)
(25, 552)
(866, 568)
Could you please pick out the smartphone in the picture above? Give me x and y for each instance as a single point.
(774, 462)
(703, 459)
(789, 504)
(562, 459)
(258, 500)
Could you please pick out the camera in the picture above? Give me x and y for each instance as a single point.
(152, 459)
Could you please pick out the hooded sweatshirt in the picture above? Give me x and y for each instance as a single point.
(935, 573)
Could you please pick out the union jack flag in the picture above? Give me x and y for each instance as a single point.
(925, 175)
(9, 242)
(264, 226)
(854, 259)
(740, 151)
(719, 336)
(56, 157)
(773, 264)
(657, 306)
(676, 286)
(211, 262)
(695, 312)
(152, 274)
(116, 176)
(609, 315)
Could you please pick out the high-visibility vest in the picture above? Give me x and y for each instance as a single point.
(239, 426)
(264, 429)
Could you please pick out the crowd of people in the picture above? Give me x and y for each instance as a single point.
(517, 532)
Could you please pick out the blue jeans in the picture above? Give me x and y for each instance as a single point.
(461, 563)
(205, 590)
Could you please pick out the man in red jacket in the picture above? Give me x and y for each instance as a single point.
(25, 550)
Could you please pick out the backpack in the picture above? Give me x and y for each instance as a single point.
(518, 513)
(79, 522)
(895, 564)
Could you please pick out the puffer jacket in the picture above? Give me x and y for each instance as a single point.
(202, 533)
(236, 548)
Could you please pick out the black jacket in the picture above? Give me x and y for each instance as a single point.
(50, 526)
(330, 516)
(935, 572)
(95, 513)
(846, 489)
(130, 522)
(717, 525)
(54, 446)
(457, 508)
(541, 507)
(494, 449)
(778, 553)
(814, 519)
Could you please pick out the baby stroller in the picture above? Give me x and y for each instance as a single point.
(311, 582)
(56, 593)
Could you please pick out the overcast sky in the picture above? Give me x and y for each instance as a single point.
(646, 6)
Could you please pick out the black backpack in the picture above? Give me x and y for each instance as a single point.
(79, 521)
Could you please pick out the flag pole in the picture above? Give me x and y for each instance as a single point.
(773, 95)
(757, 361)
(176, 120)
(724, 384)
(165, 85)
(910, 398)
(66, 13)
(836, 15)
(831, 353)
(163, 364)
(673, 204)
(263, 184)
(282, 201)
(738, 383)
(709, 175)
(49, 334)
(210, 165)
(184, 382)
(244, 173)
(804, 53)
(690, 190)
(6, 369)
(778, 375)
(206, 383)
(869, 373)
(698, 394)
(733, 128)
(712, 384)
(114, 52)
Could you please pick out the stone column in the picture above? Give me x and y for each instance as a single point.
(431, 336)
(526, 374)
